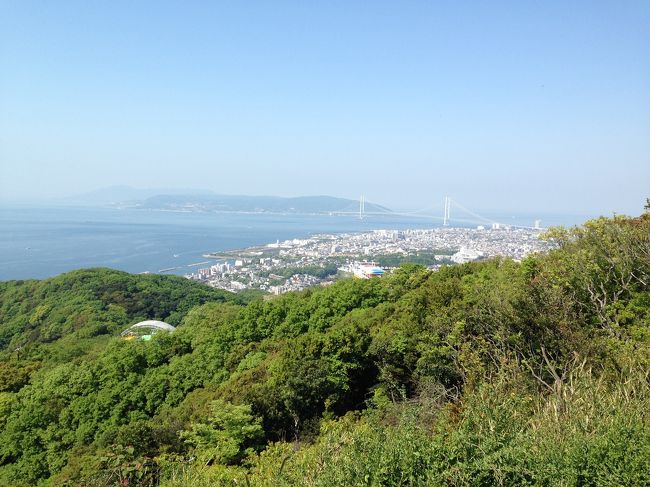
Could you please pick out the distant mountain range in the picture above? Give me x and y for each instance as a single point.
(205, 201)
(271, 204)
(117, 195)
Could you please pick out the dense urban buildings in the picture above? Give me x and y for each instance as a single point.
(293, 265)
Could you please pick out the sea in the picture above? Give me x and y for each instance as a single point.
(40, 242)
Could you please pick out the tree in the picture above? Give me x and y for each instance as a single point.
(231, 434)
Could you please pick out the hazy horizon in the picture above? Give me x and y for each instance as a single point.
(509, 106)
(85, 200)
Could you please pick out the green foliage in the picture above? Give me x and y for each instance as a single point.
(425, 258)
(312, 270)
(64, 314)
(490, 373)
(230, 434)
(502, 433)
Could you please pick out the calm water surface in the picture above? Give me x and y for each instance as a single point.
(42, 242)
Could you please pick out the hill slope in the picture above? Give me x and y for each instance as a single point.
(480, 374)
(65, 316)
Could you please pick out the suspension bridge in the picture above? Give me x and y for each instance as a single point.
(462, 215)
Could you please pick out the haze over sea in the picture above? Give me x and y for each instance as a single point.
(42, 242)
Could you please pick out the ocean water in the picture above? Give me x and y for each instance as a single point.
(43, 242)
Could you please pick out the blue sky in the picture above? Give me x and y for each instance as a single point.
(540, 106)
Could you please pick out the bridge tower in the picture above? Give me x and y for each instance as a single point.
(446, 216)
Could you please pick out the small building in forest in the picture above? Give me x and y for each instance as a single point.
(146, 329)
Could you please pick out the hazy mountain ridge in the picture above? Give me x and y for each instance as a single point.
(206, 200)
(241, 203)
(120, 195)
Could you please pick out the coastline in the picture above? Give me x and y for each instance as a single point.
(43, 242)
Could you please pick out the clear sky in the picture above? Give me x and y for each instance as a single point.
(522, 105)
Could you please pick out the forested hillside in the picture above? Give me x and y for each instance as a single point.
(493, 373)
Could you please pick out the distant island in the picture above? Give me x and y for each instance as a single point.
(207, 201)
(270, 204)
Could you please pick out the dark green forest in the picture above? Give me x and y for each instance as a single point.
(490, 373)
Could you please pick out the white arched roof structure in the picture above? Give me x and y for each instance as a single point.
(148, 327)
